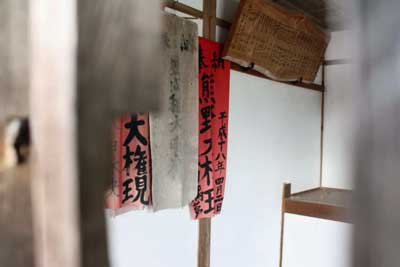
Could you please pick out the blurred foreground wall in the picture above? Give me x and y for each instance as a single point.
(377, 158)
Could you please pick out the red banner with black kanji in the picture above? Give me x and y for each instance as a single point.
(214, 73)
(131, 180)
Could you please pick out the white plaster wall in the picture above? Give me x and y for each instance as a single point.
(340, 123)
(339, 127)
(311, 242)
(341, 45)
(162, 239)
(274, 137)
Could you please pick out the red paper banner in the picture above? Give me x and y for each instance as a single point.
(131, 184)
(213, 129)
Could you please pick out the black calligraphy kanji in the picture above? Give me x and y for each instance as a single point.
(219, 180)
(206, 115)
(222, 116)
(206, 165)
(184, 43)
(217, 62)
(222, 131)
(222, 135)
(220, 166)
(220, 156)
(127, 190)
(218, 203)
(128, 159)
(209, 200)
(207, 85)
(141, 161)
(133, 127)
(141, 188)
(221, 144)
(209, 143)
(197, 207)
(202, 64)
(219, 190)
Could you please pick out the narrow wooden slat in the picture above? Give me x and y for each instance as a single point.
(203, 256)
(321, 152)
(286, 191)
(337, 61)
(317, 210)
(193, 12)
(183, 8)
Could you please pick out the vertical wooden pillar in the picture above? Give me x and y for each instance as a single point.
(209, 19)
(286, 191)
(90, 63)
(14, 56)
(322, 125)
(16, 241)
(55, 176)
(209, 31)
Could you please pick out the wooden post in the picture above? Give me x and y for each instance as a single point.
(54, 166)
(203, 256)
(285, 194)
(209, 30)
(82, 76)
(209, 19)
(322, 125)
(14, 54)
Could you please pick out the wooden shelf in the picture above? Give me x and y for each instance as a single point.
(322, 202)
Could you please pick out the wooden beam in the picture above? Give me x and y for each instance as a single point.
(194, 12)
(316, 210)
(321, 202)
(337, 61)
(286, 191)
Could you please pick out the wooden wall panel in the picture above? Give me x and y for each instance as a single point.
(14, 56)
(16, 235)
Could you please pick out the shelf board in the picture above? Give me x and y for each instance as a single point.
(322, 202)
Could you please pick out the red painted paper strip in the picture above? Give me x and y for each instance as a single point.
(214, 73)
(131, 183)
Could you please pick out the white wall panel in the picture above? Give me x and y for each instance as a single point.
(311, 242)
(274, 136)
